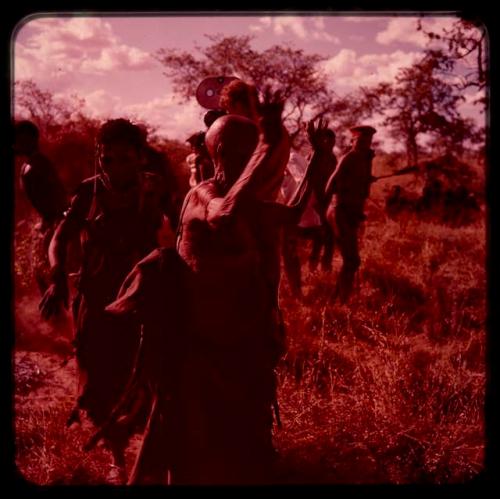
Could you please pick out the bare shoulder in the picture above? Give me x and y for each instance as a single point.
(197, 199)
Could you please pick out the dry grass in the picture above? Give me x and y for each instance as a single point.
(390, 388)
(387, 389)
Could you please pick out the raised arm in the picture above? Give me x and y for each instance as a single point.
(57, 293)
(272, 149)
(292, 211)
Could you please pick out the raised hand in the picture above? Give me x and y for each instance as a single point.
(270, 110)
(316, 135)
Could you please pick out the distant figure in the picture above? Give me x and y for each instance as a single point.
(43, 188)
(348, 188)
(309, 225)
(39, 179)
(432, 196)
(460, 206)
(212, 115)
(393, 202)
(157, 169)
(398, 201)
(319, 181)
(200, 165)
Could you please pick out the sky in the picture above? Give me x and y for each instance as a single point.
(109, 61)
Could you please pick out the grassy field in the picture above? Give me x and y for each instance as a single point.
(387, 389)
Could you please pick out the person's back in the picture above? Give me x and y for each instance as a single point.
(350, 186)
(229, 372)
(354, 181)
(327, 169)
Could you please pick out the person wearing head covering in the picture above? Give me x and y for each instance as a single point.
(347, 190)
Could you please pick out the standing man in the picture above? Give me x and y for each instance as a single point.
(319, 181)
(117, 215)
(350, 187)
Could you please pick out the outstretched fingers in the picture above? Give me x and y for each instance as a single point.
(271, 99)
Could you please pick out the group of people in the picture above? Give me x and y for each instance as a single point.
(182, 343)
(335, 206)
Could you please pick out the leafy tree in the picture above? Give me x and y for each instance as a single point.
(66, 132)
(466, 42)
(423, 100)
(54, 117)
(466, 47)
(294, 72)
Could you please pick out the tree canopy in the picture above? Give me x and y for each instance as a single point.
(297, 74)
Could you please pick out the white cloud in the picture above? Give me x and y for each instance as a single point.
(264, 22)
(404, 29)
(61, 49)
(318, 22)
(170, 118)
(303, 27)
(323, 35)
(360, 19)
(294, 24)
(102, 104)
(118, 57)
(173, 120)
(348, 69)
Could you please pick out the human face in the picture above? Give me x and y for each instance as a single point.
(121, 163)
